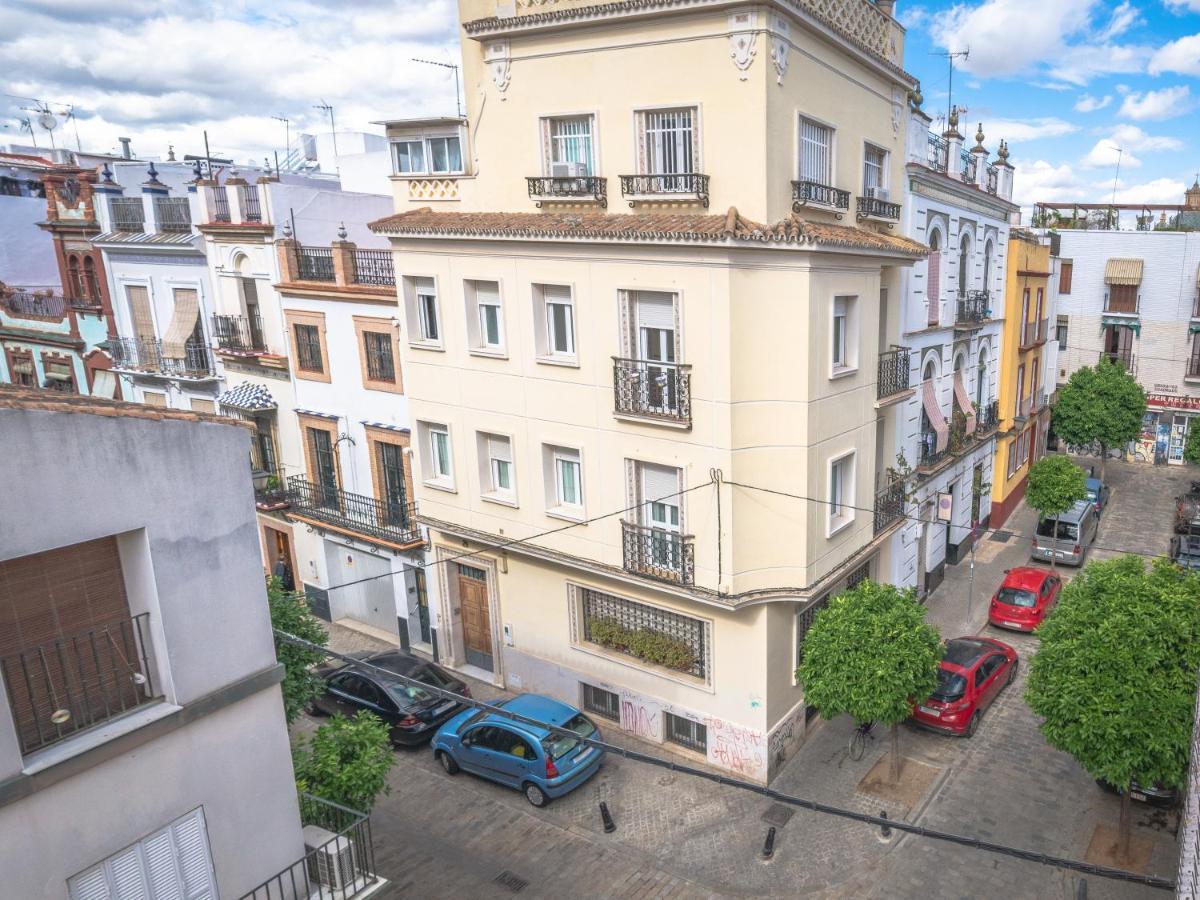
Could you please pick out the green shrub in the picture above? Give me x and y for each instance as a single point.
(651, 646)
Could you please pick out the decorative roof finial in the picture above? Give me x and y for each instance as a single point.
(916, 98)
(979, 136)
(341, 232)
(106, 172)
(153, 173)
(287, 229)
(170, 153)
(1003, 152)
(953, 120)
(198, 170)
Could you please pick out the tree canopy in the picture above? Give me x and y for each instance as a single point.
(347, 760)
(1054, 484)
(1102, 403)
(290, 613)
(1191, 449)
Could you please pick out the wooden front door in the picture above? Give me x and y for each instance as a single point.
(477, 622)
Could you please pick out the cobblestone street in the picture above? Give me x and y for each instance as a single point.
(676, 835)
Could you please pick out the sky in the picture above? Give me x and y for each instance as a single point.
(1066, 82)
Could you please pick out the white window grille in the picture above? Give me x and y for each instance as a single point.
(670, 141)
(816, 152)
(571, 143)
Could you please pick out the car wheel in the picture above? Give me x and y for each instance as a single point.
(1012, 672)
(973, 725)
(535, 795)
(448, 762)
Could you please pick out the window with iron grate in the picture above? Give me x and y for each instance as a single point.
(644, 632)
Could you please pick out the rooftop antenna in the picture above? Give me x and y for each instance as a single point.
(433, 62)
(287, 139)
(27, 125)
(1115, 177)
(952, 55)
(69, 114)
(332, 130)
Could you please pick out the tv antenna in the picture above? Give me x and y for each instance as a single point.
(444, 65)
(46, 119)
(326, 108)
(1117, 175)
(287, 137)
(69, 114)
(951, 56)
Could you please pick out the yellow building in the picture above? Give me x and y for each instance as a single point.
(1027, 354)
(645, 286)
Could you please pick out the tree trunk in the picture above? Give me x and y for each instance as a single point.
(1103, 458)
(1125, 828)
(1053, 555)
(894, 773)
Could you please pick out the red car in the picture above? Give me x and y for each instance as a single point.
(1025, 597)
(972, 673)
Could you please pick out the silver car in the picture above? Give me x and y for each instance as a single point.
(1066, 538)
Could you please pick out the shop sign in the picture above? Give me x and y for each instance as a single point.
(1168, 402)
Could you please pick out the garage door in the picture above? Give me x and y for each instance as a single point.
(368, 595)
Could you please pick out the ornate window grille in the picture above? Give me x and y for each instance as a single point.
(639, 617)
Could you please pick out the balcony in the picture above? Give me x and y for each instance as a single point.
(220, 205)
(1123, 358)
(993, 180)
(315, 263)
(239, 334)
(354, 514)
(889, 505)
(878, 208)
(147, 355)
(665, 187)
(972, 309)
(805, 193)
(340, 862)
(584, 187)
(1193, 366)
(270, 490)
(251, 208)
(79, 681)
(374, 267)
(987, 417)
(172, 214)
(653, 390)
(1024, 407)
(30, 305)
(928, 456)
(938, 152)
(128, 214)
(893, 372)
(658, 553)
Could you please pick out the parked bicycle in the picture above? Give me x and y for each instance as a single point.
(858, 740)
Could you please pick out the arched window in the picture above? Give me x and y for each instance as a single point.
(74, 277)
(987, 265)
(964, 258)
(935, 239)
(91, 290)
(930, 371)
(981, 380)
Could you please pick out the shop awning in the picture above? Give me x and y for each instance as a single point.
(1129, 322)
(58, 371)
(248, 396)
(934, 413)
(1123, 271)
(183, 323)
(1193, 327)
(964, 400)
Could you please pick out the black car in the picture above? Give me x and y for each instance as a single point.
(412, 713)
(1185, 551)
(1158, 795)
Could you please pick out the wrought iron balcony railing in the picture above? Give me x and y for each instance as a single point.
(972, 308)
(374, 267)
(315, 263)
(1024, 407)
(128, 214)
(889, 505)
(928, 455)
(220, 204)
(970, 164)
(1193, 366)
(806, 192)
(251, 208)
(893, 374)
(273, 494)
(987, 417)
(1033, 333)
(393, 522)
(876, 208)
(658, 553)
(38, 306)
(1123, 358)
(938, 152)
(684, 183)
(993, 179)
(192, 359)
(657, 390)
(79, 681)
(240, 334)
(172, 214)
(568, 188)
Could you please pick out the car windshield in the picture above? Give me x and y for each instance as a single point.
(408, 694)
(1066, 531)
(1017, 597)
(559, 745)
(950, 687)
(435, 677)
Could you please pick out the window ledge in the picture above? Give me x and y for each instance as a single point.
(427, 345)
(492, 354)
(501, 499)
(447, 486)
(570, 362)
(425, 176)
(94, 737)
(677, 424)
(837, 526)
(562, 512)
(641, 665)
(843, 372)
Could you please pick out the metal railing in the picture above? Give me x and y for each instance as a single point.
(374, 267)
(893, 373)
(683, 183)
(1029, 333)
(572, 187)
(220, 204)
(658, 390)
(128, 214)
(987, 417)
(938, 152)
(79, 681)
(928, 455)
(889, 505)
(805, 192)
(1024, 407)
(239, 333)
(273, 494)
(1123, 358)
(1193, 366)
(394, 522)
(315, 263)
(972, 307)
(970, 164)
(662, 554)
(993, 180)
(611, 622)
(27, 303)
(339, 868)
(875, 208)
(1043, 330)
(147, 355)
(172, 214)
(251, 208)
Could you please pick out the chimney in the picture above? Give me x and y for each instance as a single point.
(126, 153)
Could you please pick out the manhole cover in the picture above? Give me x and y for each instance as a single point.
(514, 883)
(1001, 536)
(778, 815)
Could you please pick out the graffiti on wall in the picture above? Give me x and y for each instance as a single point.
(641, 717)
(734, 747)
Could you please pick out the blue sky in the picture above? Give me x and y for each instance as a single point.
(1064, 81)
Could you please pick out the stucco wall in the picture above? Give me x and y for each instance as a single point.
(26, 252)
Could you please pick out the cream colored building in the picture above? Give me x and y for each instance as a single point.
(645, 283)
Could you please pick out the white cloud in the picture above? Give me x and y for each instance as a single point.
(1160, 190)
(1133, 138)
(1123, 18)
(1022, 130)
(912, 16)
(1087, 103)
(1129, 140)
(1106, 153)
(1182, 6)
(1182, 56)
(1080, 63)
(1163, 104)
(1041, 180)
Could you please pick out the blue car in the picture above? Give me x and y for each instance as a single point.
(538, 762)
(1097, 492)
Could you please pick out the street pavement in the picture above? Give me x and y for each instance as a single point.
(679, 836)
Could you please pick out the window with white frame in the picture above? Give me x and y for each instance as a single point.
(422, 312)
(485, 316)
(669, 144)
(436, 460)
(569, 146)
(841, 492)
(564, 481)
(428, 155)
(875, 164)
(816, 152)
(554, 318)
(843, 351)
(497, 476)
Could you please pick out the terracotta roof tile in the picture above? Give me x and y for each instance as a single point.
(730, 229)
(15, 397)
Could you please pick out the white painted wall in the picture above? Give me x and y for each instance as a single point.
(26, 252)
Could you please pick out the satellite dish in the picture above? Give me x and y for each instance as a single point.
(48, 120)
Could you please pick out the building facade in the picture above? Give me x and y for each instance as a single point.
(142, 736)
(640, 320)
(1028, 367)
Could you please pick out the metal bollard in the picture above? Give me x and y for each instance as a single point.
(885, 828)
(769, 844)
(609, 825)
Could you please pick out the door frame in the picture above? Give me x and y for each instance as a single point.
(451, 651)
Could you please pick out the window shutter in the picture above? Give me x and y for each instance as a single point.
(655, 310)
(162, 870)
(90, 885)
(500, 448)
(933, 289)
(139, 311)
(487, 293)
(127, 874)
(556, 293)
(195, 861)
(659, 482)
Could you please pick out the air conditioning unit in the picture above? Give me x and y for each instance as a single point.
(568, 170)
(330, 858)
(878, 193)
